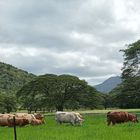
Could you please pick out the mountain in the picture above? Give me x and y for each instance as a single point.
(12, 78)
(109, 84)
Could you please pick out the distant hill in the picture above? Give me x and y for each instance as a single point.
(109, 84)
(12, 78)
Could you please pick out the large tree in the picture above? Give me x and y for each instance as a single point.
(131, 67)
(129, 91)
(56, 92)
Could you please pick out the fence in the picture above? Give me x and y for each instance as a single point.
(14, 126)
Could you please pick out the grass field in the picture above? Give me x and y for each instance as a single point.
(94, 128)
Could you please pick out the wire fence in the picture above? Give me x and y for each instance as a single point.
(14, 126)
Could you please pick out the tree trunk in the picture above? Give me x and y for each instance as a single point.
(59, 108)
(29, 110)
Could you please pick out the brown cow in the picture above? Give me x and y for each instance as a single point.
(120, 117)
(36, 122)
(132, 118)
(39, 117)
(19, 121)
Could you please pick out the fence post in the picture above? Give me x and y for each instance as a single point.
(14, 124)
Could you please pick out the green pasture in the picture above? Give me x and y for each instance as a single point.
(94, 128)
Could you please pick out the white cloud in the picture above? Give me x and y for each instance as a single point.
(79, 37)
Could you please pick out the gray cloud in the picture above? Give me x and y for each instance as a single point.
(79, 37)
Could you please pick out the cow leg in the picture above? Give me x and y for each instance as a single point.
(72, 122)
(59, 122)
(108, 122)
(113, 123)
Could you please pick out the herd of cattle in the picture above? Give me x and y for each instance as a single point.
(22, 119)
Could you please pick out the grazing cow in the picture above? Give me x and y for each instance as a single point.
(36, 122)
(39, 117)
(68, 117)
(133, 118)
(26, 116)
(120, 117)
(80, 118)
(19, 121)
(78, 114)
(4, 119)
(7, 115)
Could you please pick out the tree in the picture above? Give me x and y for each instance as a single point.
(106, 100)
(52, 91)
(8, 102)
(131, 66)
(129, 95)
(91, 98)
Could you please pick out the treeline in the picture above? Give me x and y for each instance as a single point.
(11, 80)
(20, 90)
(53, 92)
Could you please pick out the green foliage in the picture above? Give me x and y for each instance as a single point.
(127, 95)
(8, 102)
(131, 61)
(106, 102)
(91, 98)
(57, 92)
(12, 79)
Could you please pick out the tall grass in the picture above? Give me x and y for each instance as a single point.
(94, 128)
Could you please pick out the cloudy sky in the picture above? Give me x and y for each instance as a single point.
(78, 37)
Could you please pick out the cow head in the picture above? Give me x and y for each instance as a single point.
(79, 120)
(39, 116)
(136, 120)
(133, 118)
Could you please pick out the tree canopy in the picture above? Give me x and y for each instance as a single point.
(131, 66)
(58, 92)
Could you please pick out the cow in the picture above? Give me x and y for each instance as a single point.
(6, 115)
(4, 119)
(120, 117)
(19, 121)
(68, 117)
(78, 114)
(26, 116)
(80, 118)
(36, 122)
(133, 118)
(39, 117)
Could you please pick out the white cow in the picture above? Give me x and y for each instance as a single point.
(68, 117)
